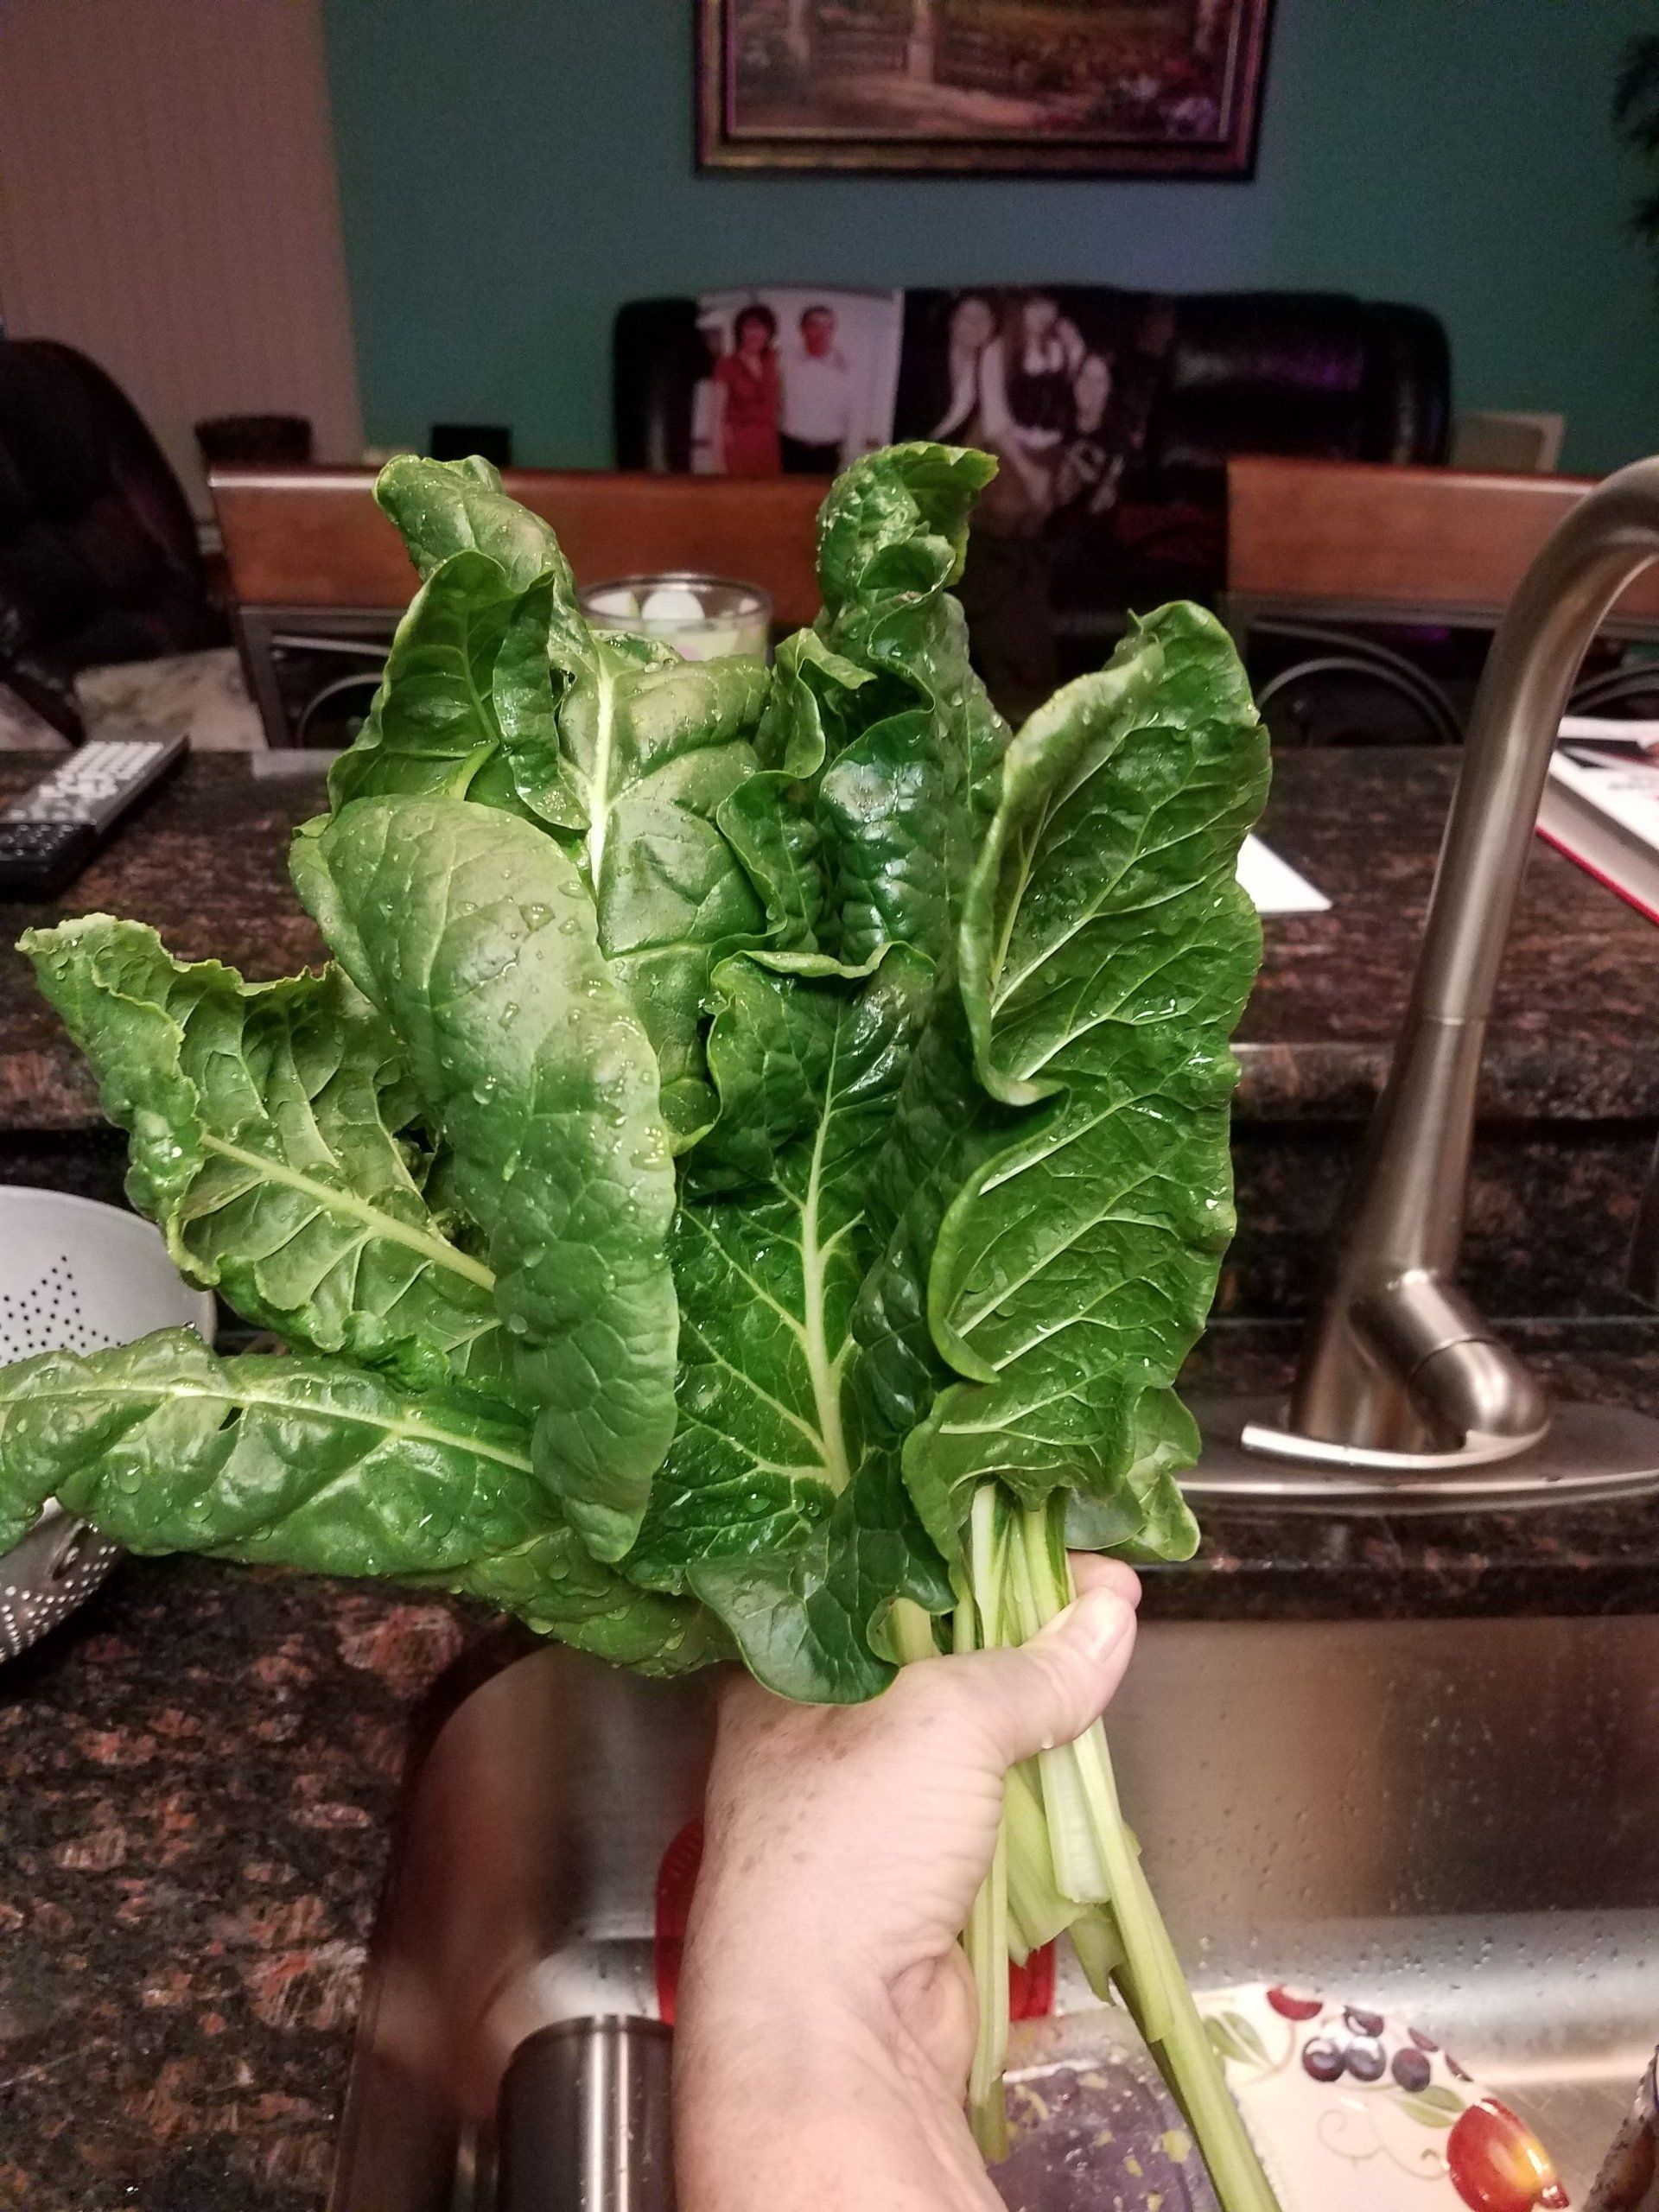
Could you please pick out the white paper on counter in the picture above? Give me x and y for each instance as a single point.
(1274, 885)
(1606, 730)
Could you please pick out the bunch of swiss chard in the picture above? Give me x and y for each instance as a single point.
(749, 1176)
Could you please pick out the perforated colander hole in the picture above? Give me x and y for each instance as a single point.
(46, 1317)
(69, 1568)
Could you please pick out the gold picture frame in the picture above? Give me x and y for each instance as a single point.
(971, 87)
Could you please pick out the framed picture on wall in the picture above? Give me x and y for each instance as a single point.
(1085, 88)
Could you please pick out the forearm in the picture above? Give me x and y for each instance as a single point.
(778, 2114)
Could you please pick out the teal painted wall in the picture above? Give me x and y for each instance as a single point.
(512, 169)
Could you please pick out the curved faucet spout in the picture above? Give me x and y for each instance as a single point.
(1395, 1359)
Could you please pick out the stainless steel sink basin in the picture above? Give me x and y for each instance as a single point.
(1456, 1820)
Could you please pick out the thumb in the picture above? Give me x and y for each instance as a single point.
(1049, 1690)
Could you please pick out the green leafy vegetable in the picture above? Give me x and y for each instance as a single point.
(751, 1178)
(1107, 951)
(434, 726)
(311, 1463)
(892, 540)
(474, 935)
(445, 507)
(264, 1121)
(767, 1501)
(498, 690)
(651, 750)
(491, 639)
(881, 741)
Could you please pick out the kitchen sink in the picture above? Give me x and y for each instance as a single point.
(1456, 1822)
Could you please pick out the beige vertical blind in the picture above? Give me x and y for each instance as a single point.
(168, 203)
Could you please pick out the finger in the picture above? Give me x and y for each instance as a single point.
(1049, 1690)
(1091, 1571)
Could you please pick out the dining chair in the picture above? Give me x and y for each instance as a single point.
(1321, 554)
(320, 575)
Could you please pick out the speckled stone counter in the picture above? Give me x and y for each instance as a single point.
(197, 1778)
(1575, 1032)
(1587, 1558)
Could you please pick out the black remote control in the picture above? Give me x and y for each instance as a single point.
(48, 835)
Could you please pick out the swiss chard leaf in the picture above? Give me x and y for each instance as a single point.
(882, 713)
(860, 833)
(1106, 950)
(771, 830)
(810, 715)
(816, 706)
(264, 1123)
(473, 934)
(897, 519)
(524, 690)
(1144, 1518)
(312, 1463)
(445, 507)
(498, 690)
(943, 1123)
(892, 540)
(434, 726)
(809, 1621)
(767, 1505)
(650, 750)
(489, 643)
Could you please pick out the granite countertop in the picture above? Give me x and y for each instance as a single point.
(1572, 1035)
(203, 1765)
(200, 1772)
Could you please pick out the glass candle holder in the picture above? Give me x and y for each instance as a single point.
(703, 617)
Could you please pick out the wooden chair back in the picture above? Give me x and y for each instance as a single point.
(1340, 541)
(314, 537)
(320, 575)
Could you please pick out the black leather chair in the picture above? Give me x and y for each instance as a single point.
(1195, 379)
(99, 556)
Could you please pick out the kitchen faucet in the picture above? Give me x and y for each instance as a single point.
(1404, 1395)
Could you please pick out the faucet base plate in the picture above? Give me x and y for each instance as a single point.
(1589, 1453)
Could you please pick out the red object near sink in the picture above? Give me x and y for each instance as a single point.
(1498, 2163)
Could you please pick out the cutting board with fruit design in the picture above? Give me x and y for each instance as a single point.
(1352, 2110)
(1351, 2107)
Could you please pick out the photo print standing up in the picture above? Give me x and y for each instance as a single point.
(1058, 382)
(1055, 381)
(798, 379)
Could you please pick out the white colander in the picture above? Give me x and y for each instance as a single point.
(76, 1274)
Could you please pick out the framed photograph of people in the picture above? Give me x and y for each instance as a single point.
(1093, 87)
(796, 380)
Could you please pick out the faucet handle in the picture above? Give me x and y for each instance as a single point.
(1462, 1381)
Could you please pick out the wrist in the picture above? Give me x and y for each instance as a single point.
(779, 2108)
(772, 1963)
(758, 2090)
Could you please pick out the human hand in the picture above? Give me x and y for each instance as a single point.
(826, 2012)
